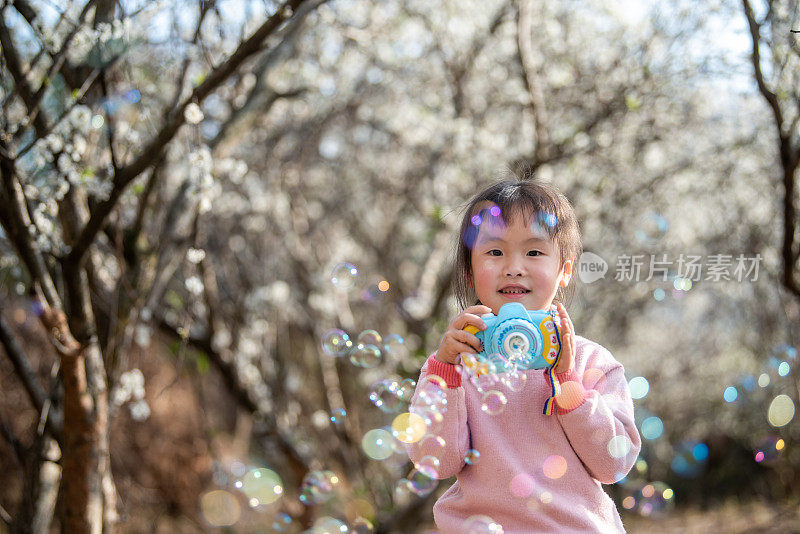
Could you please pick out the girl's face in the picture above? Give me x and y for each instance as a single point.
(514, 263)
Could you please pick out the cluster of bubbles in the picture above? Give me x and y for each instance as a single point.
(649, 499)
(489, 217)
(368, 349)
(259, 487)
(779, 366)
(344, 277)
(492, 375)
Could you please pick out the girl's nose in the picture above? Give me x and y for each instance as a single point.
(513, 267)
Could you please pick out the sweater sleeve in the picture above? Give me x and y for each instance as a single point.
(439, 400)
(596, 412)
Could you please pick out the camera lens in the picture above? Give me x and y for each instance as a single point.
(516, 344)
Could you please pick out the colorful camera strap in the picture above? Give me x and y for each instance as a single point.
(555, 385)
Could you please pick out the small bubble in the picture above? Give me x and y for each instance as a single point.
(370, 337)
(336, 343)
(554, 466)
(386, 394)
(481, 524)
(652, 428)
(377, 444)
(282, 523)
(318, 487)
(639, 387)
(472, 457)
(730, 394)
(781, 411)
(343, 275)
(521, 486)
(366, 356)
(494, 402)
(220, 508)
(409, 427)
(338, 416)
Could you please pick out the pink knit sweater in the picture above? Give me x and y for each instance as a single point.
(535, 473)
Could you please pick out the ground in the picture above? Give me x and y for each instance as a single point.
(729, 518)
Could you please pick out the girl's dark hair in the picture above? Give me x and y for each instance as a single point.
(522, 195)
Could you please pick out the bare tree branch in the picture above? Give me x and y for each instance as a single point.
(175, 119)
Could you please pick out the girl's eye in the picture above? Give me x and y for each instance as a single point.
(495, 252)
(534, 253)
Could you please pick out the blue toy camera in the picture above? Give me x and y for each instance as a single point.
(528, 338)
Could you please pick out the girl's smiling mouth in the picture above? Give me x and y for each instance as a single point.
(514, 291)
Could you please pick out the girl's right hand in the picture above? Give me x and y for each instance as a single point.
(456, 340)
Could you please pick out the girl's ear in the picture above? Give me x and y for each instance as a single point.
(566, 273)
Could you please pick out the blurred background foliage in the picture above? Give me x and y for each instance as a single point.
(225, 158)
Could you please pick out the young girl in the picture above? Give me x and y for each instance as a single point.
(518, 469)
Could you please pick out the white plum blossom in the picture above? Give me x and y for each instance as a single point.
(193, 114)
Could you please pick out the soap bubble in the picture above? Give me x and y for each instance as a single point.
(554, 466)
(409, 427)
(430, 464)
(730, 394)
(655, 499)
(362, 525)
(652, 428)
(370, 337)
(781, 411)
(262, 486)
(338, 416)
(366, 356)
(329, 525)
(472, 457)
(515, 381)
(493, 402)
(422, 480)
(344, 275)
(481, 524)
(394, 344)
(639, 387)
(282, 523)
(769, 449)
(619, 446)
(690, 458)
(220, 508)
(318, 487)
(336, 343)
(433, 445)
(377, 444)
(522, 485)
(386, 394)
(407, 386)
(651, 228)
(784, 351)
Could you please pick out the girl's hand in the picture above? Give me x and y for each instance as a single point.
(567, 332)
(456, 340)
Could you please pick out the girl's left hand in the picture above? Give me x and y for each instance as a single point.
(567, 360)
